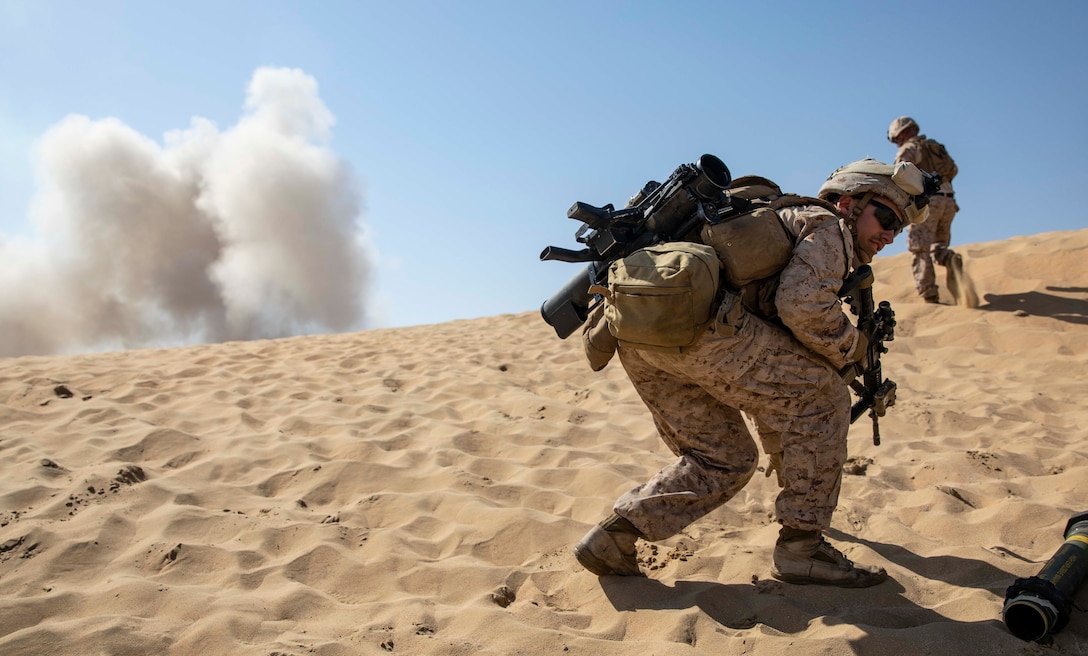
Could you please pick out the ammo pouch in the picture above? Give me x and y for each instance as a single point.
(752, 245)
(661, 297)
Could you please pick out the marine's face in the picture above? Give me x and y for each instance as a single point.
(878, 224)
(904, 134)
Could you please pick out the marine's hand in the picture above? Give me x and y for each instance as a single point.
(861, 348)
(774, 464)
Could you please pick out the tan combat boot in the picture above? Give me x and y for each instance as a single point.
(804, 557)
(609, 548)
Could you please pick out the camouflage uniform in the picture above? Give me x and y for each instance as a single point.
(775, 356)
(786, 380)
(929, 241)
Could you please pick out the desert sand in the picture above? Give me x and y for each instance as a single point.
(418, 490)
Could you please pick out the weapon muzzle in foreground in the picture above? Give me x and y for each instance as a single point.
(1040, 605)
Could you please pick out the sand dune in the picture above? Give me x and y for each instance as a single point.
(417, 491)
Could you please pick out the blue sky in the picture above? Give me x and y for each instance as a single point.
(470, 127)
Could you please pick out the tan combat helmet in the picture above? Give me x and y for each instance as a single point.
(902, 184)
(898, 125)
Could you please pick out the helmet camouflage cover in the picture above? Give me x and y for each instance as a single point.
(902, 184)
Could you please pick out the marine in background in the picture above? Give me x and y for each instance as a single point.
(929, 241)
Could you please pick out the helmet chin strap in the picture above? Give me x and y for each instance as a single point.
(859, 207)
(855, 213)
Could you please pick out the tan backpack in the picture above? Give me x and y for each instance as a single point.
(755, 244)
(940, 160)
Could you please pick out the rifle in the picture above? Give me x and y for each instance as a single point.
(659, 212)
(875, 393)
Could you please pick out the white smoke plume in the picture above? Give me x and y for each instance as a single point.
(248, 233)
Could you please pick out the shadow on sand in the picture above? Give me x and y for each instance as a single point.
(1063, 308)
(791, 609)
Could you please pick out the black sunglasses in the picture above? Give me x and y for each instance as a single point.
(886, 216)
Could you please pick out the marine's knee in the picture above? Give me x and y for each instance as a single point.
(741, 461)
